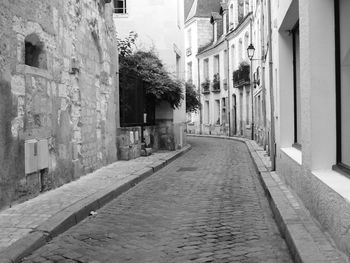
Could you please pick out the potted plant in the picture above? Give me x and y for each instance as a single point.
(205, 86)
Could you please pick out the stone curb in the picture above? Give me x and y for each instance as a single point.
(298, 239)
(77, 212)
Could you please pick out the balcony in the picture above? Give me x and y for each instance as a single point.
(216, 83)
(206, 87)
(241, 76)
(189, 51)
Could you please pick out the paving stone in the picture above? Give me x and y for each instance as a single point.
(216, 213)
(16, 222)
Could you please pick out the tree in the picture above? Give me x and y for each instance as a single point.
(192, 98)
(125, 46)
(147, 66)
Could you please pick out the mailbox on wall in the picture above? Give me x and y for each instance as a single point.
(36, 155)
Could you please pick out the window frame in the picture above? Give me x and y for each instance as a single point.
(123, 9)
(217, 64)
(206, 69)
(339, 166)
(189, 72)
(296, 143)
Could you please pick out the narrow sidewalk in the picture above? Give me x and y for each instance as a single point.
(29, 225)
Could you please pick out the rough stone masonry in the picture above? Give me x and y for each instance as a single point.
(58, 86)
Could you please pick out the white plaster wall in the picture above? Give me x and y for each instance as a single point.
(318, 83)
(234, 60)
(323, 191)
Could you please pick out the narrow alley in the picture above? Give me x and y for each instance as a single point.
(206, 206)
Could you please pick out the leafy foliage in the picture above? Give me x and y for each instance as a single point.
(125, 46)
(147, 66)
(192, 98)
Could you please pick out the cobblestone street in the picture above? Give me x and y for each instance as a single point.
(206, 206)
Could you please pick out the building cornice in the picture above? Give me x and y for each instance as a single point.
(229, 35)
(195, 18)
(246, 20)
(223, 8)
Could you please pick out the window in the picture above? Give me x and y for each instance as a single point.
(247, 104)
(217, 112)
(240, 50)
(216, 64)
(189, 38)
(296, 86)
(206, 69)
(215, 31)
(178, 14)
(34, 52)
(342, 9)
(231, 16)
(189, 71)
(233, 57)
(223, 110)
(178, 60)
(225, 64)
(246, 7)
(120, 6)
(241, 112)
(206, 112)
(246, 42)
(259, 107)
(240, 12)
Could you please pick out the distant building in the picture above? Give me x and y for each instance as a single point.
(234, 90)
(159, 25)
(58, 120)
(198, 34)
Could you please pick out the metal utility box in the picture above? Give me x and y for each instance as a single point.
(36, 155)
(43, 154)
(30, 156)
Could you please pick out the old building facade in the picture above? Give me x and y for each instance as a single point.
(159, 26)
(293, 99)
(198, 34)
(235, 93)
(311, 72)
(58, 93)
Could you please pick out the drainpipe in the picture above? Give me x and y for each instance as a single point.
(200, 99)
(272, 133)
(251, 79)
(228, 89)
(263, 71)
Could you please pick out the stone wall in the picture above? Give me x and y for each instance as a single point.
(67, 98)
(129, 143)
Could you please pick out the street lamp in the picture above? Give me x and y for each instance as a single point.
(250, 53)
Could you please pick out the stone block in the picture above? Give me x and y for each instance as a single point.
(123, 153)
(18, 85)
(33, 182)
(146, 152)
(62, 90)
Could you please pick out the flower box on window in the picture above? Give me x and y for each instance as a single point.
(216, 83)
(206, 86)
